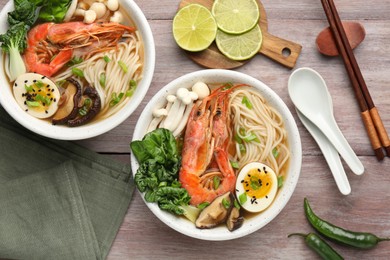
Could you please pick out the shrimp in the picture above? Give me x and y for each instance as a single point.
(50, 46)
(205, 156)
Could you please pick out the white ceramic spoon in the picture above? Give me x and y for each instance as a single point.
(330, 153)
(309, 93)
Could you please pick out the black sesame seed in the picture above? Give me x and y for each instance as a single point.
(267, 183)
(249, 175)
(25, 81)
(55, 100)
(247, 185)
(34, 80)
(256, 202)
(39, 90)
(254, 197)
(266, 197)
(26, 110)
(43, 77)
(16, 84)
(46, 112)
(247, 190)
(258, 170)
(51, 99)
(25, 102)
(48, 94)
(242, 181)
(52, 90)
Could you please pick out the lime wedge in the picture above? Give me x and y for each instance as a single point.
(194, 28)
(236, 16)
(240, 47)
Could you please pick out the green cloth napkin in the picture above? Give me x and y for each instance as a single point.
(58, 200)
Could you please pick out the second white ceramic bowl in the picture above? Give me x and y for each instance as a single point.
(253, 224)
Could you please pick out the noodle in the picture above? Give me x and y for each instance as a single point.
(117, 81)
(263, 126)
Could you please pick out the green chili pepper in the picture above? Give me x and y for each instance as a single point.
(317, 244)
(356, 239)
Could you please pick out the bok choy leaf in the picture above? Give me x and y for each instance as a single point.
(157, 175)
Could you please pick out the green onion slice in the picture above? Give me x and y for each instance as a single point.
(216, 182)
(242, 198)
(33, 103)
(280, 181)
(123, 66)
(203, 205)
(106, 58)
(78, 72)
(275, 152)
(234, 164)
(225, 203)
(102, 80)
(246, 102)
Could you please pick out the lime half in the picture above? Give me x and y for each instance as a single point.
(240, 47)
(194, 28)
(236, 16)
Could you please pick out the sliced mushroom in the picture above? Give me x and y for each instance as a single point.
(92, 110)
(234, 219)
(68, 109)
(215, 213)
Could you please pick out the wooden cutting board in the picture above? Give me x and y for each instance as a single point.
(280, 50)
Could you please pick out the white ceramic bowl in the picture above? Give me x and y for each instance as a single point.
(92, 129)
(181, 224)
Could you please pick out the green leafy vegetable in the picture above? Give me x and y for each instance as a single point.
(14, 43)
(53, 10)
(159, 161)
(25, 11)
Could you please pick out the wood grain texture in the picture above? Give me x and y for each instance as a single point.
(143, 236)
(280, 50)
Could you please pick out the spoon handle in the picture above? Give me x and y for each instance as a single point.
(330, 154)
(333, 133)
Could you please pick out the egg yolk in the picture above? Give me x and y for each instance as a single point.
(257, 183)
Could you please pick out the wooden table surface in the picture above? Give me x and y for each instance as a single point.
(367, 208)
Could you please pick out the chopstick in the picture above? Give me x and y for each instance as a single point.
(369, 113)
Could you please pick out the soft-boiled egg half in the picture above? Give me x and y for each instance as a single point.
(36, 94)
(256, 186)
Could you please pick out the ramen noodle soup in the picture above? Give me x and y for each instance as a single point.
(233, 147)
(82, 69)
